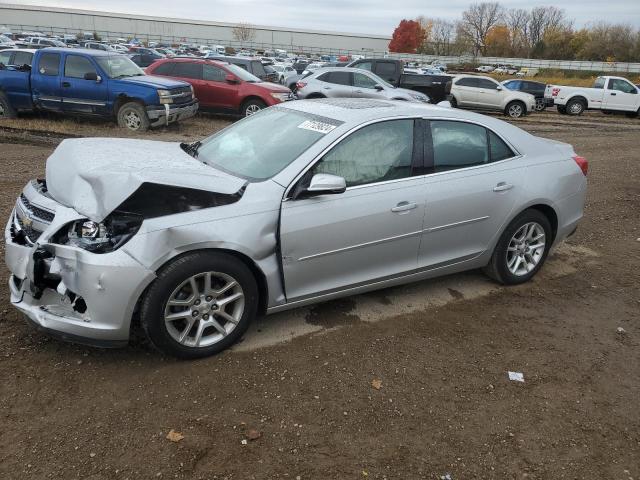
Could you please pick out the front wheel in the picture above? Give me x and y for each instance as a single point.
(251, 107)
(199, 305)
(516, 109)
(522, 249)
(133, 116)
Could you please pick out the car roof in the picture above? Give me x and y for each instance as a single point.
(86, 51)
(29, 50)
(212, 61)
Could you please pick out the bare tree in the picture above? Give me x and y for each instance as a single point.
(517, 21)
(442, 36)
(244, 32)
(541, 19)
(476, 22)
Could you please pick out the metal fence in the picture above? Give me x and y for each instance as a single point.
(593, 66)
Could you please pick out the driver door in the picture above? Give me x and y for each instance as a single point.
(364, 86)
(488, 94)
(621, 95)
(370, 232)
(80, 94)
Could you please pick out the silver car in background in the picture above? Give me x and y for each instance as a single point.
(344, 82)
(301, 203)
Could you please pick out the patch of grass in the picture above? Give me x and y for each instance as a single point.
(573, 78)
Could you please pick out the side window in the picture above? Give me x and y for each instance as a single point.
(164, 69)
(499, 149)
(49, 64)
(514, 85)
(339, 78)
(467, 82)
(257, 69)
(77, 67)
(5, 58)
(213, 73)
(188, 70)
(385, 69)
(486, 83)
(621, 86)
(375, 153)
(364, 66)
(599, 83)
(361, 80)
(458, 145)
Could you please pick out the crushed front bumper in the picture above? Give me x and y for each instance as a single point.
(68, 292)
(169, 113)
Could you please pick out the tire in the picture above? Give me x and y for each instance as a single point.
(503, 257)
(575, 107)
(632, 114)
(6, 110)
(515, 109)
(562, 110)
(314, 96)
(541, 105)
(252, 106)
(133, 116)
(202, 324)
(453, 102)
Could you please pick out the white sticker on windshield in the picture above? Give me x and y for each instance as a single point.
(316, 126)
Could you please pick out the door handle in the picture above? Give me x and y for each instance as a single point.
(502, 187)
(612, 93)
(404, 207)
(66, 84)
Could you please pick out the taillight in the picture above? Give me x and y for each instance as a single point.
(582, 163)
(555, 92)
(300, 85)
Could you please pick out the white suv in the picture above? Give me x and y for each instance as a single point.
(484, 92)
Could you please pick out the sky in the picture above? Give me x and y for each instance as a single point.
(377, 17)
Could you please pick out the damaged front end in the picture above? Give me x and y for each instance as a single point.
(59, 282)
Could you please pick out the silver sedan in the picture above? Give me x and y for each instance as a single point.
(343, 82)
(301, 203)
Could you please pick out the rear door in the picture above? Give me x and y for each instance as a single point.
(83, 89)
(372, 230)
(336, 84)
(191, 72)
(465, 91)
(488, 94)
(621, 95)
(475, 178)
(45, 81)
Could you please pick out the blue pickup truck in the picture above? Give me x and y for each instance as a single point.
(91, 82)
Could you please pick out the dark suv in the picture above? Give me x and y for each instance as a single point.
(534, 88)
(250, 64)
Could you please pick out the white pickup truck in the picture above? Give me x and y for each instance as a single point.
(609, 94)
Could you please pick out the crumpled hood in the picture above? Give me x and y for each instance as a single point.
(95, 175)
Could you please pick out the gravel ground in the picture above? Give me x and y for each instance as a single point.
(405, 383)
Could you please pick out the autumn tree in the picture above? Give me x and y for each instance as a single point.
(498, 41)
(407, 37)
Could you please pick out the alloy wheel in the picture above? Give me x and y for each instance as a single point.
(252, 109)
(539, 104)
(132, 120)
(204, 309)
(575, 108)
(526, 249)
(515, 111)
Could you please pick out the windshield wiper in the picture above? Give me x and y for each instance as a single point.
(191, 148)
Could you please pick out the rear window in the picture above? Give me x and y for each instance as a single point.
(49, 64)
(467, 82)
(599, 83)
(188, 70)
(338, 78)
(5, 57)
(385, 69)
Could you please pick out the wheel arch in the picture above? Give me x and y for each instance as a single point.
(123, 99)
(249, 98)
(311, 96)
(581, 98)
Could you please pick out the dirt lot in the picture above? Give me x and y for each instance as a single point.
(441, 350)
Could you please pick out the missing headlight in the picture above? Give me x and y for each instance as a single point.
(100, 237)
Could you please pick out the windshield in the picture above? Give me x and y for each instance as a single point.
(242, 74)
(254, 148)
(119, 66)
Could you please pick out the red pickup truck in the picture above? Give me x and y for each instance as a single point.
(222, 87)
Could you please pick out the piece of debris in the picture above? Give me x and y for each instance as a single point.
(621, 330)
(446, 477)
(376, 383)
(174, 436)
(92, 454)
(253, 434)
(516, 377)
(244, 441)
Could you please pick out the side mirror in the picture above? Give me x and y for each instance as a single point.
(379, 88)
(91, 76)
(499, 87)
(324, 183)
(231, 78)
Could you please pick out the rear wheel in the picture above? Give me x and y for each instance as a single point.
(516, 109)
(252, 106)
(541, 105)
(133, 116)
(575, 107)
(199, 305)
(6, 110)
(453, 102)
(522, 249)
(562, 110)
